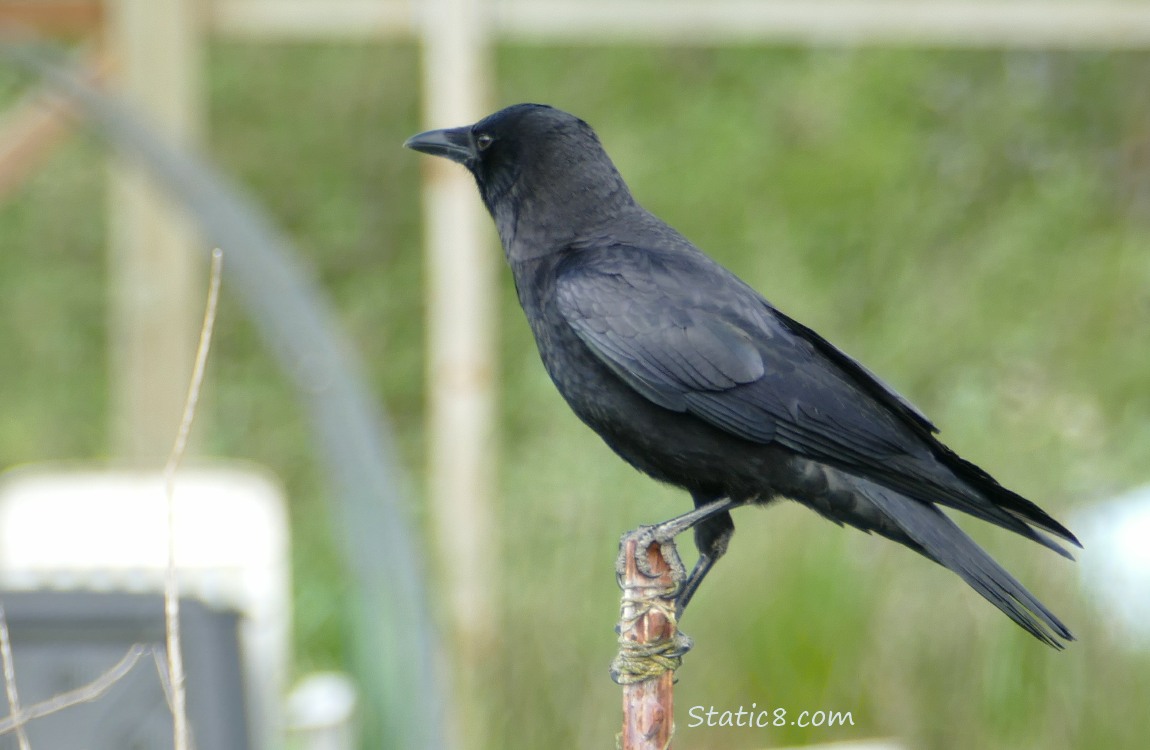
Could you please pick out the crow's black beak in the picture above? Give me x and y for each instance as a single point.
(454, 144)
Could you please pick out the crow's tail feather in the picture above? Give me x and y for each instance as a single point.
(1010, 501)
(938, 537)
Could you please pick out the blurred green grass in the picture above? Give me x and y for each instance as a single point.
(971, 225)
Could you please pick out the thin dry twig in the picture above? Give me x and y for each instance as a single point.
(182, 736)
(18, 716)
(173, 679)
(82, 694)
(161, 660)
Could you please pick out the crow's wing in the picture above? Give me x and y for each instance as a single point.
(691, 337)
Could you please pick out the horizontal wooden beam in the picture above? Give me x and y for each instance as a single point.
(313, 19)
(56, 17)
(948, 23)
(1104, 24)
(1012, 23)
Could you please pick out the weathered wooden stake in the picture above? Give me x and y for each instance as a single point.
(650, 644)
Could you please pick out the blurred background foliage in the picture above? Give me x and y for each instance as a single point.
(971, 225)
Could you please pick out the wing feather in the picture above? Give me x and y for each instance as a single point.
(724, 358)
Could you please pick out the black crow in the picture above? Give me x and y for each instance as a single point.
(694, 378)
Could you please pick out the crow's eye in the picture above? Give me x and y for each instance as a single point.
(483, 140)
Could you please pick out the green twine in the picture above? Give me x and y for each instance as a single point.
(638, 662)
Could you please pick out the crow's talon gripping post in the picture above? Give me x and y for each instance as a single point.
(650, 643)
(665, 533)
(644, 537)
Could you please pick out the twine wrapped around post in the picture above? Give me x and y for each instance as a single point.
(650, 644)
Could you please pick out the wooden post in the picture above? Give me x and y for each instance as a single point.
(650, 646)
(461, 352)
(156, 277)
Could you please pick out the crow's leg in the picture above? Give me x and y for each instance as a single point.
(711, 539)
(713, 527)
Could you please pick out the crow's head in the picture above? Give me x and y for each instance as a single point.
(529, 161)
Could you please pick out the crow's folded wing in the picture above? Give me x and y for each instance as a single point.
(691, 337)
(727, 357)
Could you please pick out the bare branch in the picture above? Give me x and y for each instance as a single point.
(82, 694)
(160, 659)
(18, 717)
(178, 695)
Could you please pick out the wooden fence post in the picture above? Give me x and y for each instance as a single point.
(461, 354)
(650, 644)
(156, 277)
